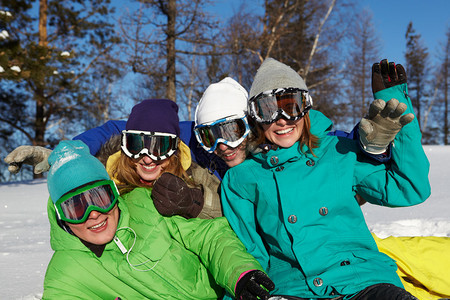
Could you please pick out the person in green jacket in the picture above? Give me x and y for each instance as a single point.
(109, 246)
(292, 201)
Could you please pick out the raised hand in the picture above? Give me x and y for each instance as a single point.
(382, 124)
(387, 74)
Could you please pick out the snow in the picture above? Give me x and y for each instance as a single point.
(25, 242)
(16, 69)
(4, 34)
(6, 13)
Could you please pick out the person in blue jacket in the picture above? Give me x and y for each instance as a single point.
(292, 201)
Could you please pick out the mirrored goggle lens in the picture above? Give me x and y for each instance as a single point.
(267, 106)
(156, 145)
(230, 131)
(76, 207)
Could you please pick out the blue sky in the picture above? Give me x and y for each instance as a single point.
(430, 18)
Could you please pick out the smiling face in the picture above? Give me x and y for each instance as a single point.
(148, 169)
(231, 156)
(99, 228)
(284, 133)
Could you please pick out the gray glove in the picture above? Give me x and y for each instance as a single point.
(379, 128)
(35, 156)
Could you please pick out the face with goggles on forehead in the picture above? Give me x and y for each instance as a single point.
(91, 211)
(225, 137)
(150, 151)
(280, 113)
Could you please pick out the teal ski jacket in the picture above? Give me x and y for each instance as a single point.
(169, 257)
(297, 213)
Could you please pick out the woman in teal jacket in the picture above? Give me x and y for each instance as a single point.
(108, 246)
(292, 202)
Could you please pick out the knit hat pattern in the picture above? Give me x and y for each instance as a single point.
(272, 75)
(71, 166)
(223, 99)
(155, 115)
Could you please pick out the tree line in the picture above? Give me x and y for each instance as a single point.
(61, 61)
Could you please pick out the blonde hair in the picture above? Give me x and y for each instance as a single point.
(124, 170)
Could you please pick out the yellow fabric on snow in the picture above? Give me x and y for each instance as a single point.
(423, 264)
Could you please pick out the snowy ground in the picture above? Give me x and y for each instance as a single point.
(24, 229)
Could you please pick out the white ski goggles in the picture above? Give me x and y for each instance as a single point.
(269, 106)
(157, 145)
(230, 131)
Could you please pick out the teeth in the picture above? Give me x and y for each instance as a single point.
(98, 225)
(228, 155)
(151, 167)
(284, 131)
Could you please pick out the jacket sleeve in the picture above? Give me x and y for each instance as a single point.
(216, 244)
(212, 208)
(94, 138)
(354, 135)
(240, 212)
(404, 180)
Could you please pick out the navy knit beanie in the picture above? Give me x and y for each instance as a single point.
(155, 115)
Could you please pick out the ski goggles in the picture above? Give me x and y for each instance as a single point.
(157, 145)
(230, 131)
(290, 103)
(75, 207)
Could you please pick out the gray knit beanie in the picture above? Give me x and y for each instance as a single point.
(273, 74)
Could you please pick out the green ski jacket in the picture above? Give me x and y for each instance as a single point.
(167, 257)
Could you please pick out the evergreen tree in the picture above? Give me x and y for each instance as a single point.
(53, 61)
(416, 62)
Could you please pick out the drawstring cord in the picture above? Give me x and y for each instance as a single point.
(127, 252)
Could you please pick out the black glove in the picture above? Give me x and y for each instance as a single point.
(254, 285)
(172, 196)
(387, 74)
